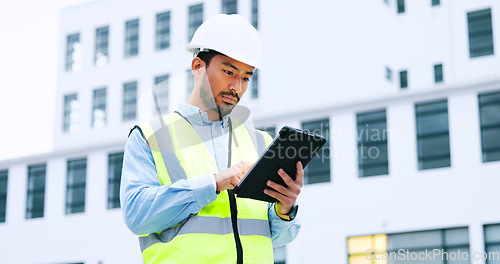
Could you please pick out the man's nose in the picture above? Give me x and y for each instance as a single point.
(235, 85)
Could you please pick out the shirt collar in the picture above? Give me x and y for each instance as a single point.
(196, 116)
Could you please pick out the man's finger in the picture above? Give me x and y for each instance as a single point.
(286, 178)
(300, 173)
(279, 188)
(274, 194)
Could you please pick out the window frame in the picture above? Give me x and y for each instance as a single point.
(403, 79)
(70, 63)
(101, 45)
(115, 161)
(255, 14)
(99, 102)
(190, 82)
(229, 7)
(483, 32)
(388, 74)
(400, 6)
(70, 121)
(33, 191)
(194, 19)
(421, 113)
(438, 73)
(4, 181)
(129, 105)
(73, 166)
(161, 92)
(132, 33)
(376, 239)
(488, 243)
(321, 175)
(488, 99)
(364, 120)
(254, 80)
(162, 30)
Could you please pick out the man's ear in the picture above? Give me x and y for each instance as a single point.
(198, 67)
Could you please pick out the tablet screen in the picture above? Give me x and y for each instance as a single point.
(291, 145)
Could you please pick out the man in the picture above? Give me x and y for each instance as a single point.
(179, 171)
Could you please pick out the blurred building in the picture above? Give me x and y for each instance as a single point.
(406, 91)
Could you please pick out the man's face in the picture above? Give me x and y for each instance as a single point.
(228, 80)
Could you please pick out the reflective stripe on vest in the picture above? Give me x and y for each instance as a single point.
(206, 237)
(209, 225)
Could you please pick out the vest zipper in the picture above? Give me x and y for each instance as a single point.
(234, 206)
(234, 220)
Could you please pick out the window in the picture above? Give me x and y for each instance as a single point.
(435, 2)
(161, 93)
(271, 130)
(101, 46)
(3, 194)
(71, 113)
(372, 144)
(480, 33)
(403, 79)
(492, 243)
(132, 38)
(489, 115)
(190, 82)
(438, 73)
(229, 7)
(279, 255)
(255, 13)
(129, 101)
(36, 191)
(318, 169)
(433, 139)
(99, 108)
(73, 53)
(115, 162)
(255, 84)
(372, 248)
(163, 30)
(401, 6)
(195, 19)
(75, 186)
(388, 73)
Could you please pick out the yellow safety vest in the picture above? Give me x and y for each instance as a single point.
(209, 236)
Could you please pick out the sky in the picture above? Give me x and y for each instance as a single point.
(29, 32)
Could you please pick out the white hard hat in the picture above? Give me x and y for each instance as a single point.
(230, 35)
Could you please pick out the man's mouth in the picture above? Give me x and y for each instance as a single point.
(229, 99)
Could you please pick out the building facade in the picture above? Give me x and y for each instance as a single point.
(407, 93)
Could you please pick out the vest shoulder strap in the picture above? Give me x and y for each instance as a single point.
(157, 135)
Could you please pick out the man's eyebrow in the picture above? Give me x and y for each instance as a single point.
(236, 68)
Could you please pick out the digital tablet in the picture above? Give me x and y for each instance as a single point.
(290, 146)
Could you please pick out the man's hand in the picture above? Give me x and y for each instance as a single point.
(232, 176)
(286, 195)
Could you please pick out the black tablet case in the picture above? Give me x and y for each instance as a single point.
(290, 146)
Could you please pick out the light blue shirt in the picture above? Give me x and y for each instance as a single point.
(150, 207)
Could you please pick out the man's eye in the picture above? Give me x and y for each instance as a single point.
(228, 72)
(245, 79)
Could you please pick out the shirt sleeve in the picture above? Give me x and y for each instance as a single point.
(147, 205)
(282, 231)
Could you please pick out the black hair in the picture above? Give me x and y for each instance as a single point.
(207, 56)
